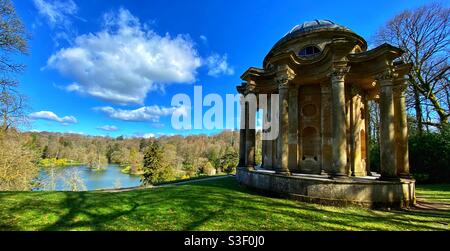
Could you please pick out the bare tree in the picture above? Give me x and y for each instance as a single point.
(73, 181)
(13, 41)
(12, 105)
(424, 34)
(374, 122)
(17, 168)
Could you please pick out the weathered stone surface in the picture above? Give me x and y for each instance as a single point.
(325, 78)
(321, 189)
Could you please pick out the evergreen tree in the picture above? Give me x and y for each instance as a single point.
(154, 169)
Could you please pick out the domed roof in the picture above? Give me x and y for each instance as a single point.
(310, 26)
(316, 25)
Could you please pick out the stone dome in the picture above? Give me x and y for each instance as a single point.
(311, 26)
(317, 26)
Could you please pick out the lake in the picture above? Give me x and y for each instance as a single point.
(79, 178)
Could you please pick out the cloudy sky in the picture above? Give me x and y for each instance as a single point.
(111, 67)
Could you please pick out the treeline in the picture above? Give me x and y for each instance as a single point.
(185, 156)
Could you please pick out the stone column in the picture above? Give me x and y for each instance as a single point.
(263, 142)
(250, 134)
(367, 129)
(293, 128)
(401, 130)
(387, 127)
(339, 149)
(326, 128)
(284, 76)
(268, 164)
(242, 137)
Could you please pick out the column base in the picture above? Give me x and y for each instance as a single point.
(339, 176)
(325, 173)
(389, 178)
(250, 167)
(405, 176)
(287, 173)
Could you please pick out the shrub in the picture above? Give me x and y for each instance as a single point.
(429, 156)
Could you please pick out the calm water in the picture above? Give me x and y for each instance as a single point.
(84, 178)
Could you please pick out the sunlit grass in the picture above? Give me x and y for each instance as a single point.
(205, 205)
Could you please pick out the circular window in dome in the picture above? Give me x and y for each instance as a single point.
(309, 51)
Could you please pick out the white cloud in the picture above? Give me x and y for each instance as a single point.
(58, 15)
(204, 39)
(218, 65)
(126, 60)
(48, 115)
(145, 113)
(75, 132)
(108, 128)
(152, 135)
(149, 135)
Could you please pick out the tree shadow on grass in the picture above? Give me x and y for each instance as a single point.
(338, 216)
(215, 205)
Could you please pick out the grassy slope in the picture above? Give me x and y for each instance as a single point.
(207, 205)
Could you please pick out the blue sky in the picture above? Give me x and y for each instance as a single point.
(112, 67)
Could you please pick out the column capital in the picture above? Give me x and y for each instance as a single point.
(284, 75)
(249, 87)
(339, 72)
(386, 77)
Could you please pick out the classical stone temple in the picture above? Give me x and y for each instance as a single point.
(325, 76)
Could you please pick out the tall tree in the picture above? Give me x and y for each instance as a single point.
(424, 34)
(154, 169)
(13, 41)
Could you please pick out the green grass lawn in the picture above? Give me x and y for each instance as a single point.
(205, 205)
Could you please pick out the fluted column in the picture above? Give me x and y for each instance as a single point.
(284, 76)
(339, 149)
(401, 130)
(242, 137)
(387, 127)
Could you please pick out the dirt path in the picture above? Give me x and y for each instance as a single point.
(116, 190)
(425, 204)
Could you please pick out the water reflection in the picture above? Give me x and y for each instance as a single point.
(80, 178)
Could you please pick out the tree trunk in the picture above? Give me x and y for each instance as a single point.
(443, 116)
(418, 109)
